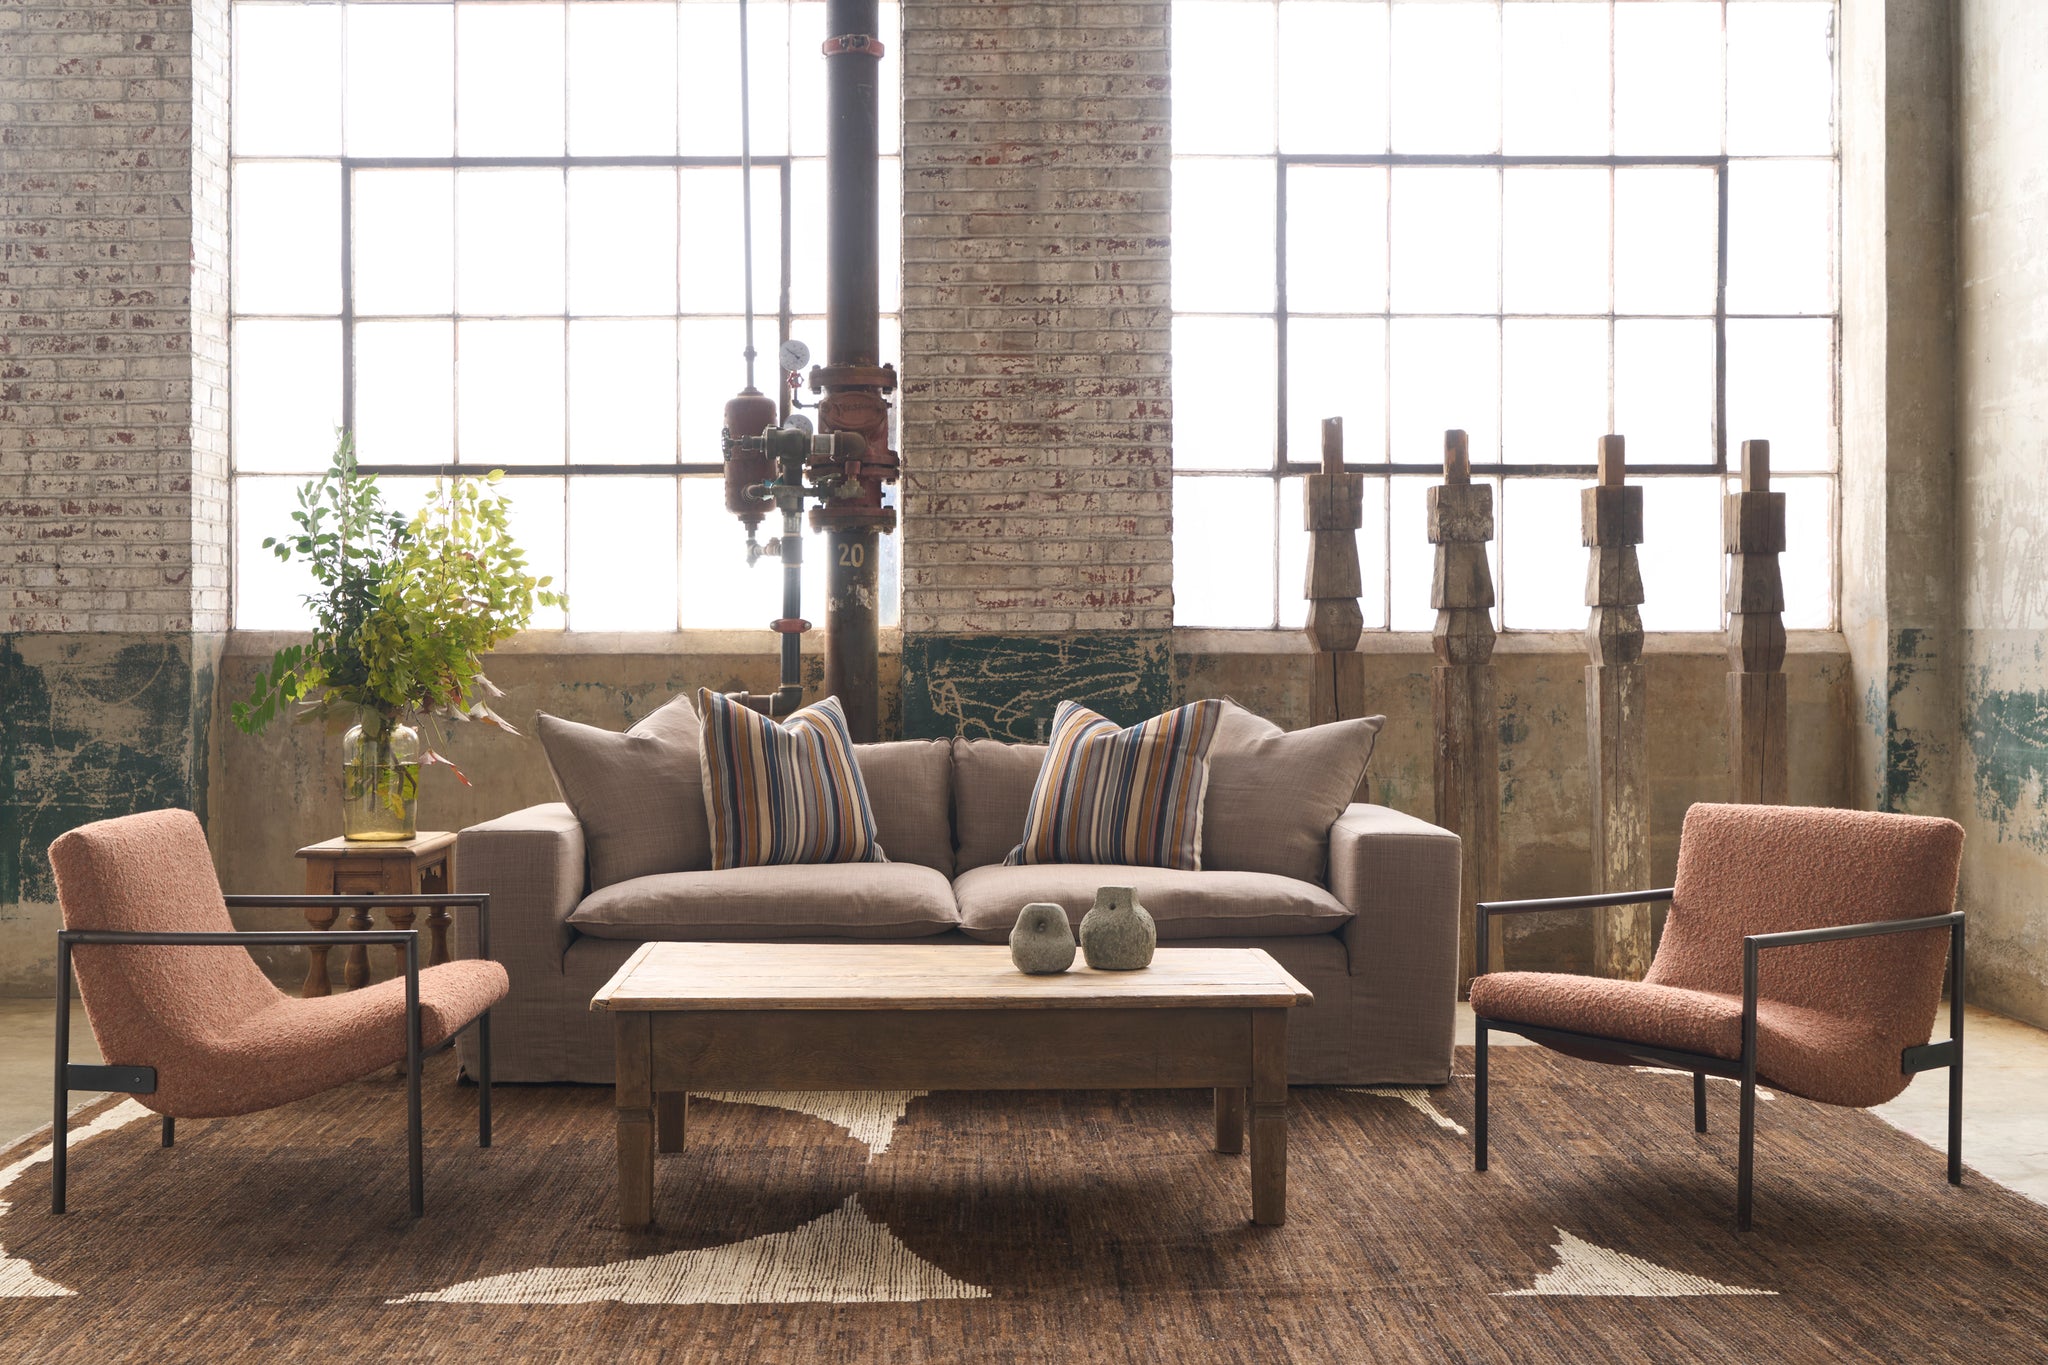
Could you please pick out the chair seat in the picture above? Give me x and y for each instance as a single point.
(296, 1048)
(1801, 1051)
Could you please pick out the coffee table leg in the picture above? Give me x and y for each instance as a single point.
(1230, 1119)
(671, 1119)
(1269, 1117)
(635, 1103)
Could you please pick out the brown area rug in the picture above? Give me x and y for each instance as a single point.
(1023, 1227)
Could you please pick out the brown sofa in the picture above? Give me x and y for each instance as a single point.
(1375, 938)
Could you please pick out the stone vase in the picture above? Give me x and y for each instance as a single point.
(1118, 935)
(1042, 942)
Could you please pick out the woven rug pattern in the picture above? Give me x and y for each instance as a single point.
(1022, 1227)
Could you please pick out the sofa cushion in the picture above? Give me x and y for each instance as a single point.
(1273, 793)
(1182, 904)
(1122, 794)
(910, 787)
(783, 901)
(639, 795)
(783, 791)
(992, 783)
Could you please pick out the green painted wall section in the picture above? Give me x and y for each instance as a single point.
(1002, 686)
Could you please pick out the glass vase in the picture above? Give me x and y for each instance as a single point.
(380, 780)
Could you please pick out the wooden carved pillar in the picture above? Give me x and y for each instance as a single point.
(1333, 504)
(1753, 533)
(1461, 691)
(1611, 522)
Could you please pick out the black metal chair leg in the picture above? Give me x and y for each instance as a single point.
(170, 1130)
(59, 1117)
(483, 1078)
(1699, 1101)
(1745, 1160)
(415, 1157)
(1479, 1097)
(1955, 1071)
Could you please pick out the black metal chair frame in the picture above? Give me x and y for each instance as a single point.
(141, 1080)
(1925, 1057)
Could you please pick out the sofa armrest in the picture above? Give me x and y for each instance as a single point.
(1399, 877)
(531, 863)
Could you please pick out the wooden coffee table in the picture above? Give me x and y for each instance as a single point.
(781, 1016)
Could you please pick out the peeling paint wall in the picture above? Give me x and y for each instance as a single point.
(2001, 787)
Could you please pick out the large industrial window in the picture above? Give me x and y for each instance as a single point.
(489, 235)
(1538, 222)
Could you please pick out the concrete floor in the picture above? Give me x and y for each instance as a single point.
(2005, 1102)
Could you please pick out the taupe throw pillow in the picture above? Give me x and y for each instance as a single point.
(1273, 793)
(639, 795)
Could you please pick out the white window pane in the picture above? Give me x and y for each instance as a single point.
(622, 391)
(1554, 79)
(713, 368)
(807, 238)
(1336, 239)
(1372, 554)
(287, 237)
(1337, 367)
(710, 98)
(509, 241)
(404, 242)
(711, 281)
(1681, 555)
(509, 392)
(1781, 237)
(1224, 396)
(622, 79)
(400, 97)
(405, 392)
(889, 234)
(1553, 390)
(1554, 229)
(1781, 79)
(536, 522)
(287, 395)
(1223, 547)
(1223, 46)
(287, 97)
(1666, 240)
(269, 594)
(889, 94)
(1781, 389)
(1807, 566)
(1333, 76)
(1445, 376)
(622, 553)
(1542, 585)
(1667, 78)
(720, 590)
(808, 122)
(1446, 77)
(1223, 215)
(509, 80)
(1446, 247)
(622, 241)
(1664, 390)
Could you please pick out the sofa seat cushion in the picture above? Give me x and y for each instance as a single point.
(1182, 904)
(781, 901)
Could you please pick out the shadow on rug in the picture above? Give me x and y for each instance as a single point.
(1033, 1226)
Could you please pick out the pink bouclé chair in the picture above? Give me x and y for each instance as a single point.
(1804, 949)
(189, 1024)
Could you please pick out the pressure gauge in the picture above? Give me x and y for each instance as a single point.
(794, 355)
(796, 421)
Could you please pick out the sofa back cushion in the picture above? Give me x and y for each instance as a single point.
(1273, 793)
(910, 787)
(639, 795)
(992, 782)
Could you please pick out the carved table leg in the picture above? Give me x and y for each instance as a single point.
(437, 930)
(357, 972)
(634, 1101)
(401, 917)
(319, 919)
(1269, 1117)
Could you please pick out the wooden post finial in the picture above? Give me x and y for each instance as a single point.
(1457, 458)
(1333, 445)
(1756, 466)
(1613, 462)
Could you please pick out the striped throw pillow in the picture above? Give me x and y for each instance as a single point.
(783, 792)
(1107, 795)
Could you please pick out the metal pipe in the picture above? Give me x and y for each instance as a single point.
(852, 240)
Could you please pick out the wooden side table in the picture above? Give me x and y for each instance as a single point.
(419, 866)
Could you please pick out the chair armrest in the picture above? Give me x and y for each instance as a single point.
(1598, 900)
(287, 938)
(1399, 878)
(530, 865)
(1792, 938)
(1935, 1055)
